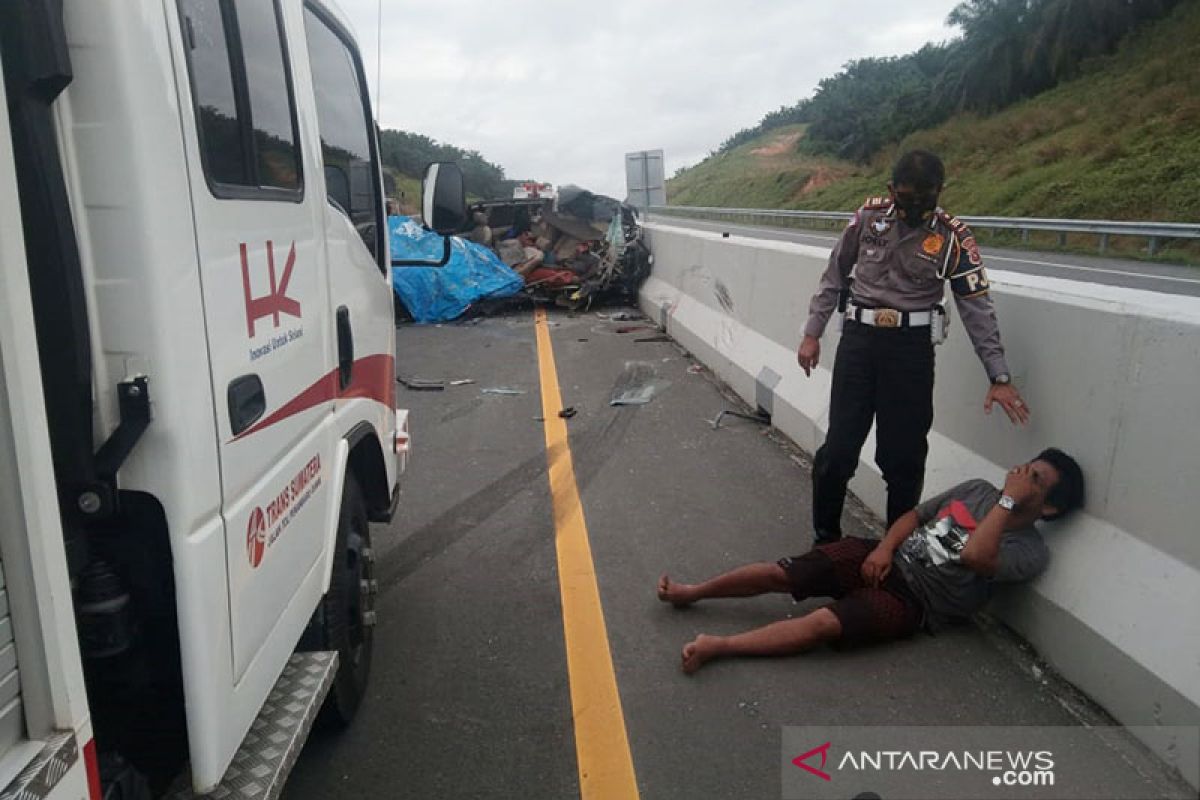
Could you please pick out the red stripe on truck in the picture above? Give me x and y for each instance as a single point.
(371, 377)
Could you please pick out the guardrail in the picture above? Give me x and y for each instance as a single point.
(1154, 232)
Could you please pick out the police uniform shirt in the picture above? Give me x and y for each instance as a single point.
(905, 268)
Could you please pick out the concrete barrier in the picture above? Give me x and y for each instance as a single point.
(1112, 376)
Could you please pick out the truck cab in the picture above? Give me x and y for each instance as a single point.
(203, 213)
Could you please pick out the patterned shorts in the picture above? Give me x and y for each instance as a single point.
(867, 614)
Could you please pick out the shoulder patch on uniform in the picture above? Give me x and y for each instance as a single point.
(876, 203)
(970, 284)
(952, 222)
(962, 234)
(972, 248)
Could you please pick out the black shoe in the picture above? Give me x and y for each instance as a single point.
(825, 537)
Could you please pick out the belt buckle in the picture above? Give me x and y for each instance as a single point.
(887, 318)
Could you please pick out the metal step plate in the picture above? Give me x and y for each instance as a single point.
(270, 749)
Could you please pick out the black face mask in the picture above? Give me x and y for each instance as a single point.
(914, 209)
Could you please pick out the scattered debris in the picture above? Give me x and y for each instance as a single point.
(539, 419)
(634, 328)
(568, 412)
(662, 337)
(501, 390)
(637, 384)
(695, 369)
(420, 384)
(581, 340)
(571, 248)
(463, 382)
(759, 417)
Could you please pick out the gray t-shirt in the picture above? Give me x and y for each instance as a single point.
(929, 558)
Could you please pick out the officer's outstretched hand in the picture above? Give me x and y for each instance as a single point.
(809, 354)
(1010, 400)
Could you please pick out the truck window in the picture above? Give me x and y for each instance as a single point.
(242, 90)
(347, 142)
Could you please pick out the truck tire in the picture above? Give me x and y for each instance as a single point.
(345, 619)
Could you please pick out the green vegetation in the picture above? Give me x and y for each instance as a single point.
(1007, 50)
(408, 154)
(1119, 141)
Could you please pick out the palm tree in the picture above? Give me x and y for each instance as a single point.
(991, 65)
(1065, 32)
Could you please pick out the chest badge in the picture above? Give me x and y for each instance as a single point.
(933, 244)
(881, 226)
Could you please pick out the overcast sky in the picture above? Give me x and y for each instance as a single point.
(560, 90)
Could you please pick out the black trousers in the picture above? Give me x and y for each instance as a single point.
(885, 375)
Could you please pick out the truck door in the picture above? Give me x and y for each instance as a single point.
(258, 218)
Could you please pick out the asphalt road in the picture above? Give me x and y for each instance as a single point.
(1151, 276)
(470, 695)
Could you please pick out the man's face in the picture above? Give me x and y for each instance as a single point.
(1045, 477)
(914, 203)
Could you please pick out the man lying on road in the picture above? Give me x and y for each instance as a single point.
(937, 563)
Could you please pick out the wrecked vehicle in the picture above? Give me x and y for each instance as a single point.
(574, 249)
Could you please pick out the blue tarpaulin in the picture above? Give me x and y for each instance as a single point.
(439, 294)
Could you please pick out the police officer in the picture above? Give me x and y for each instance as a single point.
(901, 250)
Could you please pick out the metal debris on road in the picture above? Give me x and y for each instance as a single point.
(637, 384)
(568, 412)
(695, 369)
(463, 382)
(420, 384)
(500, 390)
(758, 416)
(660, 338)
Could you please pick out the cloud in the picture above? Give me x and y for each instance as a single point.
(560, 91)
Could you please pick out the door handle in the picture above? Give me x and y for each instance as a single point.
(345, 337)
(247, 402)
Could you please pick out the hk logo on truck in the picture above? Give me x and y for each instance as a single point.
(276, 301)
(256, 537)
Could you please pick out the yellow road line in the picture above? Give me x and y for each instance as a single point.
(601, 744)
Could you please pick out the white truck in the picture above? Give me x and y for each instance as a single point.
(197, 405)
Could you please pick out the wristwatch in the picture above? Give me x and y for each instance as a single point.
(1002, 379)
(1006, 502)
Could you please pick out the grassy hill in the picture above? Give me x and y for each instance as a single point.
(1120, 142)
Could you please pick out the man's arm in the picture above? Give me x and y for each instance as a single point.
(970, 287)
(981, 554)
(969, 284)
(878, 564)
(834, 280)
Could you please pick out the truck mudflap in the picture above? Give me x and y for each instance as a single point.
(262, 764)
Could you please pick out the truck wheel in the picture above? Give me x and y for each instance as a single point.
(345, 619)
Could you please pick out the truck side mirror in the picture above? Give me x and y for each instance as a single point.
(444, 198)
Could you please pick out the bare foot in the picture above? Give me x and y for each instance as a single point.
(698, 651)
(677, 594)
